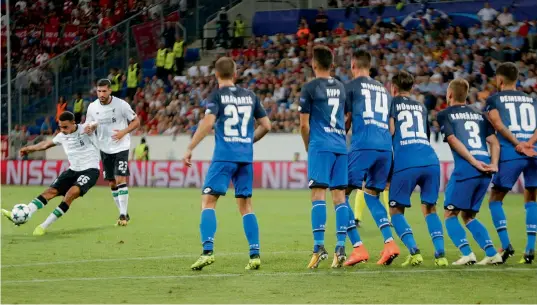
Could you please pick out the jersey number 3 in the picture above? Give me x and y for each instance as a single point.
(233, 113)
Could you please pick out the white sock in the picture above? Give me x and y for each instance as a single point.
(57, 213)
(123, 197)
(36, 204)
(115, 194)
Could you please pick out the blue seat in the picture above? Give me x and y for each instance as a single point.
(192, 55)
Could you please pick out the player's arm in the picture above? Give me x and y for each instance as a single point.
(494, 145)
(43, 145)
(496, 121)
(204, 127)
(132, 118)
(392, 126)
(264, 124)
(91, 123)
(304, 109)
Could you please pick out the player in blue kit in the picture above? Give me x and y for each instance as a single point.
(370, 157)
(232, 111)
(467, 132)
(513, 115)
(322, 125)
(415, 163)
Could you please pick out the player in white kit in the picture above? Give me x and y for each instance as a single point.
(83, 172)
(116, 120)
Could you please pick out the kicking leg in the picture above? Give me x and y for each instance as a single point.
(37, 203)
(72, 194)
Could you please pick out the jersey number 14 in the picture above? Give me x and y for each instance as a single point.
(381, 105)
(234, 114)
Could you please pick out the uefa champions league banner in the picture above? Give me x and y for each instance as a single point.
(174, 174)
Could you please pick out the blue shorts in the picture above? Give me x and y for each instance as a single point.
(404, 182)
(220, 173)
(509, 171)
(327, 170)
(466, 195)
(371, 166)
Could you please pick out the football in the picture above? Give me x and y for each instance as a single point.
(20, 213)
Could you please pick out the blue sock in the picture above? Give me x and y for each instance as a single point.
(403, 230)
(380, 215)
(481, 235)
(531, 225)
(458, 235)
(251, 230)
(318, 223)
(352, 231)
(208, 228)
(437, 234)
(500, 222)
(342, 220)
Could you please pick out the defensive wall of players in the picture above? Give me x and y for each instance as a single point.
(274, 167)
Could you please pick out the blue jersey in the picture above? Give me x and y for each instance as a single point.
(472, 129)
(369, 103)
(411, 146)
(235, 109)
(324, 100)
(518, 113)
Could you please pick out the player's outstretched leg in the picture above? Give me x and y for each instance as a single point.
(531, 231)
(72, 194)
(359, 252)
(207, 232)
(391, 250)
(458, 236)
(251, 230)
(481, 236)
(403, 230)
(500, 222)
(36, 204)
(436, 232)
(318, 223)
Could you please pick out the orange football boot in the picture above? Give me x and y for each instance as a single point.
(358, 255)
(390, 252)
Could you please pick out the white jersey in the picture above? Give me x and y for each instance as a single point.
(111, 118)
(80, 148)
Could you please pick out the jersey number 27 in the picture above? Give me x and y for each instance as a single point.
(234, 114)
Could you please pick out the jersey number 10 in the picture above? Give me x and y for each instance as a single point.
(527, 117)
(234, 114)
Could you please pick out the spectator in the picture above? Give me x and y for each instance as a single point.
(60, 107)
(487, 14)
(46, 128)
(78, 108)
(239, 32)
(505, 18)
(321, 21)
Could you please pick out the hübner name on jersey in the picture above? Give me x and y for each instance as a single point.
(479, 153)
(332, 92)
(373, 87)
(401, 107)
(236, 100)
(516, 98)
(414, 141)
(375, 122)
(466, 116)
(238, 140)
(334, 130)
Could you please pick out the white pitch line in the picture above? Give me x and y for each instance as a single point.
(274, 274)
(142, 258)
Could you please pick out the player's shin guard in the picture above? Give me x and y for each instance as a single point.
(57, 213)
(500, 222)
(251, 230)
(481, 235)
(359, 205)
(38, 203)
(115, 195)
(352, 231)
(123, 197)
(380, 215)
(437, 234)
(531, 225)
(342, 220)
(318, 223)
(208, 229)
(457, 235)
(403, 230)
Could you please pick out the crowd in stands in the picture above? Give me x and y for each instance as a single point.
(276, 67)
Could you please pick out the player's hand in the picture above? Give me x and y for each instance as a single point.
(526, 149)
(118, 135)
(481, 166)
(187, 159)
(492, 168)
(90, 128)
(24, 151)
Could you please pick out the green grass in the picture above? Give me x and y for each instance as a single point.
(85, 259)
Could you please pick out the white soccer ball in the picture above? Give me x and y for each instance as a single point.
(20, 213)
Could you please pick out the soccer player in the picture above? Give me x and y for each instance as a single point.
(233, 112)
(415, 163)
(75, 182)
(513, 115)
(370, 158)
(467, 132)
(116, 120)
(322, 125)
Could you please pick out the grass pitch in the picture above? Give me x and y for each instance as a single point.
(84, 258)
